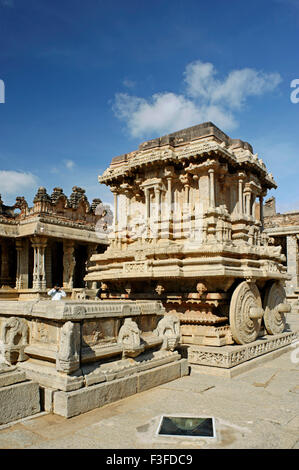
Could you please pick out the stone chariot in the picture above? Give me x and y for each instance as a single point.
(188, 230)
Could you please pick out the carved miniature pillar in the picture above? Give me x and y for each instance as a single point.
(261, 199)
(185, 180)
(241, 208)
(158, 205)
(115, 194)
(128, 209)
(169, 195)
(148, 209)
(253, 204)
(39, 274)
(169, 173)
(211, 172)
(247, 197)
(126, 225)
(169, 208)
(195, 209)
(69, 262)
(187, 193)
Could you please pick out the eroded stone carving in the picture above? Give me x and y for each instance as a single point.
(68, 357)
(15, 339)
(129, 338)
(169, 329)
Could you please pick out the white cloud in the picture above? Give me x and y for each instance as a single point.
(163, 111)
(69, 164)
(14, 182)
(232, 91)
(199, 78)
(206, 98)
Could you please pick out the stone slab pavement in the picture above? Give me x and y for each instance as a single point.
(258, 409)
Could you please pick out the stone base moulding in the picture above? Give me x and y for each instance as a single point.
(231, 356)
(69, 404)
(84, 354)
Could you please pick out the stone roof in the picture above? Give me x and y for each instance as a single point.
(202, 140)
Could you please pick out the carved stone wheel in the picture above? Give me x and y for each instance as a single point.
(245, 313)
(275, 307)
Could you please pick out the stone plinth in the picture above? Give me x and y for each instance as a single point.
(82, 346)
(229, 357)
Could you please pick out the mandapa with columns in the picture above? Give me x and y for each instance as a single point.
(48, 243)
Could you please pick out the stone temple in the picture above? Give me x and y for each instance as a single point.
(190, 278)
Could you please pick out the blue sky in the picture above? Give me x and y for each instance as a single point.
(88, 80)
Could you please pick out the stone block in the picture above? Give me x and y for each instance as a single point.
(11, 377)
(158, 375)
(184, 367)
(19, 401)
(70, 404)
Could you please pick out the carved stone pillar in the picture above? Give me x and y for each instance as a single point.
(39, 274)
(185, 180)
(240, 182)
(168, 211)
(247, 196)
(115, 194)
(211, 172)
(158, 208)
(261, 200)
(69, 262)
(148, 210)
(169, 195)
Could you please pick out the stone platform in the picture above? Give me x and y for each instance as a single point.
(85, 354)
(69, 404)
(19, 397)
(222, 361)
